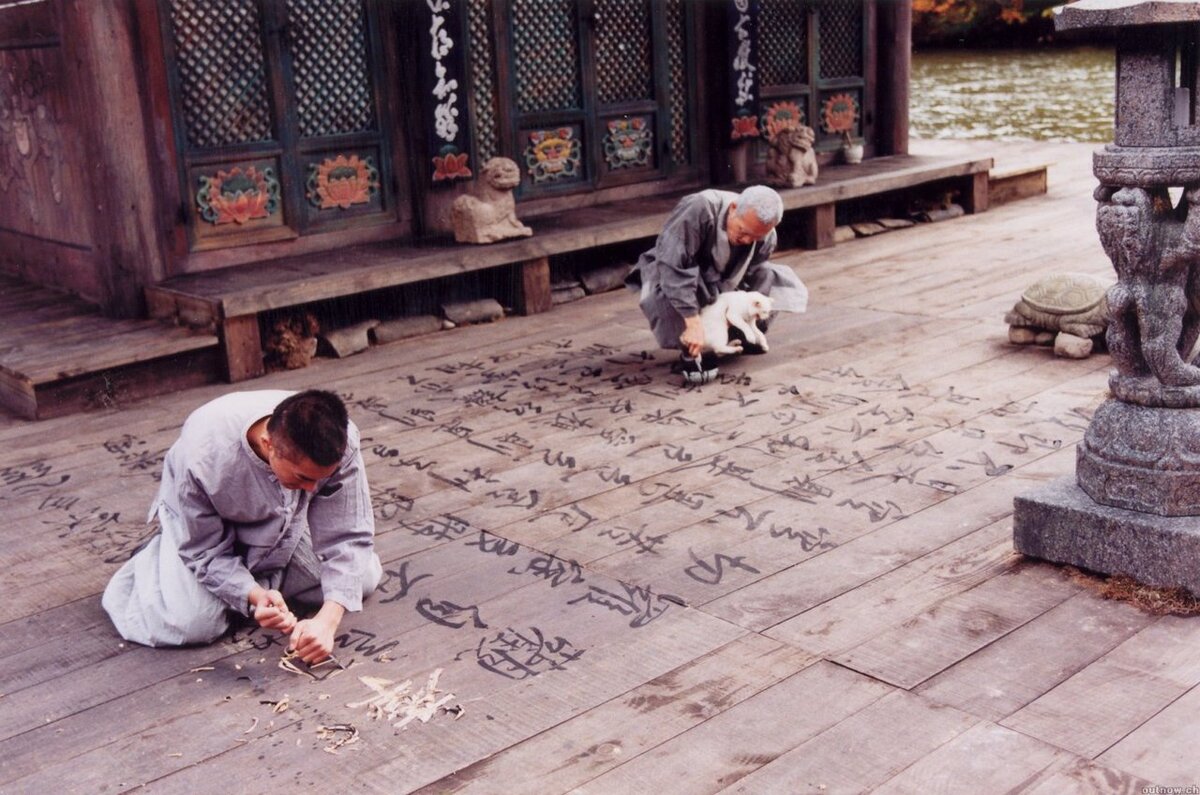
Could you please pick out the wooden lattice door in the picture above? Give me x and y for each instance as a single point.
(597, 91)
(811, 53)
(277, 117)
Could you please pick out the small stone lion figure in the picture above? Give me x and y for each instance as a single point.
(491, 214)
(791, 161)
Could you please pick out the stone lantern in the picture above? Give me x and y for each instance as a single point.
(1134, 504)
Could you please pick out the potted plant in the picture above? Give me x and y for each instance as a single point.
(839, 115)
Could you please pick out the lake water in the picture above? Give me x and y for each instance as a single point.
(1048, 95)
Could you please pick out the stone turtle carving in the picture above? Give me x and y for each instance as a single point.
(491, 214)
(791, 161)
(1067, 310)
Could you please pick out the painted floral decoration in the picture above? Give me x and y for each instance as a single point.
(782, 116)
(839, 114)
(744, 127)
(342, 181)
(451, 165)
(238, 196)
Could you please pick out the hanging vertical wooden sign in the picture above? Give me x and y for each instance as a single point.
(444, 88)
(743, 66)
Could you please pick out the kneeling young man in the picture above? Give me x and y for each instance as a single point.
(263, 504)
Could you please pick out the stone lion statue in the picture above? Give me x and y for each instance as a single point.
(491, 214)
(791, 161)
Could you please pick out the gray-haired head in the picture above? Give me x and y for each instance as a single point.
(764, 201)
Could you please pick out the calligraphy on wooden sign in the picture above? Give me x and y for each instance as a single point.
(743, 64)
(443, 83)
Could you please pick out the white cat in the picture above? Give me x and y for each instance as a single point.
(737, 308)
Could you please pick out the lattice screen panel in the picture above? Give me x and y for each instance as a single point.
(223, 80)
(483, 92)
(783, 42)
(624, 64)
(332, 77)
(546, 54)
(841, 25)
(678, 99)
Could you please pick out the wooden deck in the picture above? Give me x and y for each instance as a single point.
(797, 579)
(59, 355)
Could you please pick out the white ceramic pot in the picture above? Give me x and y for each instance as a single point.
(852, 153)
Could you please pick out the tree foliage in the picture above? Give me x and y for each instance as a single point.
(979, 23)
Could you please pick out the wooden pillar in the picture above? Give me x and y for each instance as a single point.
(817, 225)
(242, 347)
(975, 197)
(100, 44)
(533, 286)
(895, 72)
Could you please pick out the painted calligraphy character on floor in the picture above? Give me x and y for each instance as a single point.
(521, 656)
(449, 614)
(399, 580)
(712, 572)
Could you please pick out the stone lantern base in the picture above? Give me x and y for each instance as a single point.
(1132, 506)
(1059, 522)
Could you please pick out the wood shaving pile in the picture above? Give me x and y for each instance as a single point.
(1156, 601)
(396, 703)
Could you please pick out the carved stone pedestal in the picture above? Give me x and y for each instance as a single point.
(1142, 458)
(1059, 522)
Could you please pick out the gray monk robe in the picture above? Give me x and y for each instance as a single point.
(227, 524)
(693, 261)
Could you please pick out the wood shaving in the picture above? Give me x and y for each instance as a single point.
(276, 706)
(342, 734)
(201, 668)
(288, 662)
(397, 704)
(175, 755)
(252, 726)
(456, 711)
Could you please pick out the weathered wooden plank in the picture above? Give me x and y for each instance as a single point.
(956, 627)
(1112, 697)
(586, 746)
(1018, 668)
(1164, 747)
(985, 758)
(1085, 777)
(862, 751)
(732, 745)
